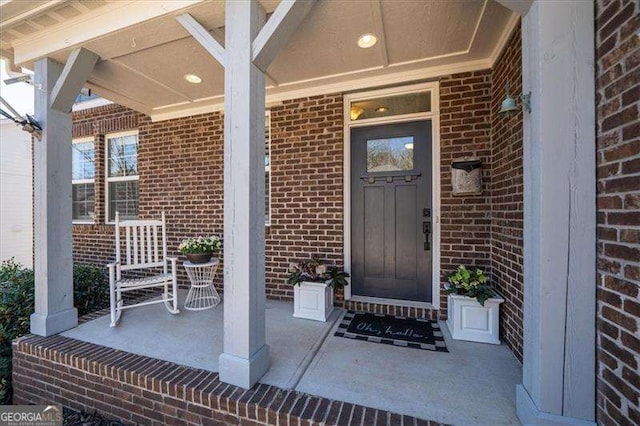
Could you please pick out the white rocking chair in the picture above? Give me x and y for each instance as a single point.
(142, 252)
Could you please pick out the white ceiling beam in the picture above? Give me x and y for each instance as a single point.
(28, 13)
(55, 16)
(12, 69)
(521, 7)
(79, 6)
(203, 37)
(378, 24)
(276, 32)
(74, 75)
(35, 25)
(111, 18)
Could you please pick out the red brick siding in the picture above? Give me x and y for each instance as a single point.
(95, 243)
(180, 167)
(180, 164)
(618, 205)
(465, 131)
(506, 195)
(306, 186)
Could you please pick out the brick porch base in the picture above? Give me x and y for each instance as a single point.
(143, 390)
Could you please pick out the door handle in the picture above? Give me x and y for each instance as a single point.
(426, 230)
(426, 227)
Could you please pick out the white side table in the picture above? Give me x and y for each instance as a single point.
(202, 294)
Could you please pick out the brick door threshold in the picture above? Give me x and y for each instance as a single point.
(142, 390)
(392, 309)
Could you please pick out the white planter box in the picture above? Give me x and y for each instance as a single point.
(469, 320)
(312, 301)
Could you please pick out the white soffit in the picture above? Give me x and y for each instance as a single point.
(143, 65)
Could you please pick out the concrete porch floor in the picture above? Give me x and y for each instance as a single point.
(473, 384)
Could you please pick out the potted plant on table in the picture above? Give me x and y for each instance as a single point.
(200, 249)
(473, 306)
(314, 284)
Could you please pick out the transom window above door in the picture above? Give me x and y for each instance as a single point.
(390, 106)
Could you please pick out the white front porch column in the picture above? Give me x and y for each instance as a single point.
(53, 265)
(246, 356)
(559, 215)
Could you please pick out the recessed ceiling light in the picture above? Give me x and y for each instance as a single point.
(192, 78)
(382, 109)
(367, 40)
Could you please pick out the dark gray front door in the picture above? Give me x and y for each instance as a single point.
(391, 211)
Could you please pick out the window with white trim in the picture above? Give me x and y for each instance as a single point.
(267, 169)
(83, 156)
(122, 176)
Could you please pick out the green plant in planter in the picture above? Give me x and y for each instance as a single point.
(471, 283)
(316, 271)
(211, 244)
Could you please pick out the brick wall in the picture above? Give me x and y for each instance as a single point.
(465, 132)
(139, 390)
(180, 167)
(618, 205)
(306, 184)
(94, 243)
(180, 164)
(506, 194)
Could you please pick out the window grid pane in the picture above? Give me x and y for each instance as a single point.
(83, 160)
(123, 198)
(83, 201)
(123, 156)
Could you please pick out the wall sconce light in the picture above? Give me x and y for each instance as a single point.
(509, 104)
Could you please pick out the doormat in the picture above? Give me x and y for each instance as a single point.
(391, 330)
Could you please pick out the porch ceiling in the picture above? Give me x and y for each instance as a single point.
(143, 61)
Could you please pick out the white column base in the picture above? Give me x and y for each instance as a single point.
(243, 372)
(528, 412)
(48, 325)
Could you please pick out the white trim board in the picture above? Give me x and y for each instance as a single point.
(529, 414)
(359, 80)
(434, 116)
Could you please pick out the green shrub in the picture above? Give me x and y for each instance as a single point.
(90, 289)
(16, 306)
(90, 293)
